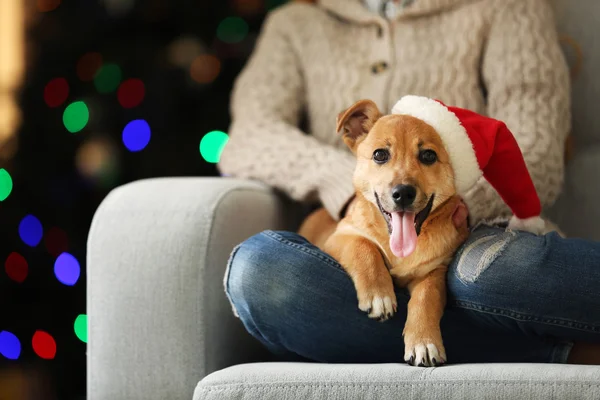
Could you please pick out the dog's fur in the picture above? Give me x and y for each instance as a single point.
(360, 241)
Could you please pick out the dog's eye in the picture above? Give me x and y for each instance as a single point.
(427, 157)
(381, 156)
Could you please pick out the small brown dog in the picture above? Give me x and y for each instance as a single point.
(404, 224)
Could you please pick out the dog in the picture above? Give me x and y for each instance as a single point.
(402, 227)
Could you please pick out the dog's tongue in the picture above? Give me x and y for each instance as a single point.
(403, 240)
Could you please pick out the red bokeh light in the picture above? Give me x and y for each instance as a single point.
(56, 92)
(43, 345)
(131, 93)
(16, 267)
(88, 65)
(56, 241)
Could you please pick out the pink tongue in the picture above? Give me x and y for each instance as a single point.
(403, 240)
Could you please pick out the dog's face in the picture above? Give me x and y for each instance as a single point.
(402, 168)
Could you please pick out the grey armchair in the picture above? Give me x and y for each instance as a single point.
(159, 318)
(160, 326)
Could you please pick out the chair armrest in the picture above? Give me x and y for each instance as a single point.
(159, 320)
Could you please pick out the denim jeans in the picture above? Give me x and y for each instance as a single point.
(512, 297)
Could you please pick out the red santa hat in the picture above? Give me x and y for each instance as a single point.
(481, 146)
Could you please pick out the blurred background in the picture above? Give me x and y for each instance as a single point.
(95, 94)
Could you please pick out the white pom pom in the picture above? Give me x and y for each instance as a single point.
(534, 225)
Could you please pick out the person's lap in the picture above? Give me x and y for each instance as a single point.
(512, 297)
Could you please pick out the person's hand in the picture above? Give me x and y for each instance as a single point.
(459, 217)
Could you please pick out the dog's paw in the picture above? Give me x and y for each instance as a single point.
(379, 306)
(425, 354)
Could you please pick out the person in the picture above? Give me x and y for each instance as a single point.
(512, 296)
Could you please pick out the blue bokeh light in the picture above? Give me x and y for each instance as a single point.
(10, 346)
(136, 135)
(30, 230)
(66, 269)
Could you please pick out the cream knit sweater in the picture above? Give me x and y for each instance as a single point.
(497, 57)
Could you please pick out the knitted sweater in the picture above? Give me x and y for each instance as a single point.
(500, 58)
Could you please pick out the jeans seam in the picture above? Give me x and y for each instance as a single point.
(526, 317)
(323, 257)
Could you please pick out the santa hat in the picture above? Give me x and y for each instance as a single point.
(481, 146)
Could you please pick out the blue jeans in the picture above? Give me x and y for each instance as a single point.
(512, 297)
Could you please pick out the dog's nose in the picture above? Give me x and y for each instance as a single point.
(404, 195)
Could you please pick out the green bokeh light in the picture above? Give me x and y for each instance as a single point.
(81, 327)
(108, 78)
(76, 116)
(232, 30)
(6, 184)
(212, 145)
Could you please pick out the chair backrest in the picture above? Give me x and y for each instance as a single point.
(579, 26)
(577, 211)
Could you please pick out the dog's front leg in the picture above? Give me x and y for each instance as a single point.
(422, 335)
(363, 262)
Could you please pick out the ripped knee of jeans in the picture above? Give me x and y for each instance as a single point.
(477, 255)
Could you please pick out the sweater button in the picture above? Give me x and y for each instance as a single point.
(379, 67)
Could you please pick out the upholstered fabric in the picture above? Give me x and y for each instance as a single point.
(292, 381)
(576, 210)
(158, 316)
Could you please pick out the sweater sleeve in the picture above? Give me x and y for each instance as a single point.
(265, 142)
(526, 75)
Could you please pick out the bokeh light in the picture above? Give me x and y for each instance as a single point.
(80, 327)
(56, 241)
(131, 93)
(212, 145)
(205, 68)
(66, 269)
(44, 345)
(76, 116)
(6, 184)
(30, 230)
(183, 50)
(16, 267)
(88, 66)
(136, 135)
(10, 346)
(47, 5)
(107, 78)
(10, 120)
(232, 30)
(248, 8)
(97, 161)
(56, 92)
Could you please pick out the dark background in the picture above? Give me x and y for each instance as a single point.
(61, 177)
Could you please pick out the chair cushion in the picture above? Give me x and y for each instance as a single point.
(283, 381)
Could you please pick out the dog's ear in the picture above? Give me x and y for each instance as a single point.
(357, 121)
